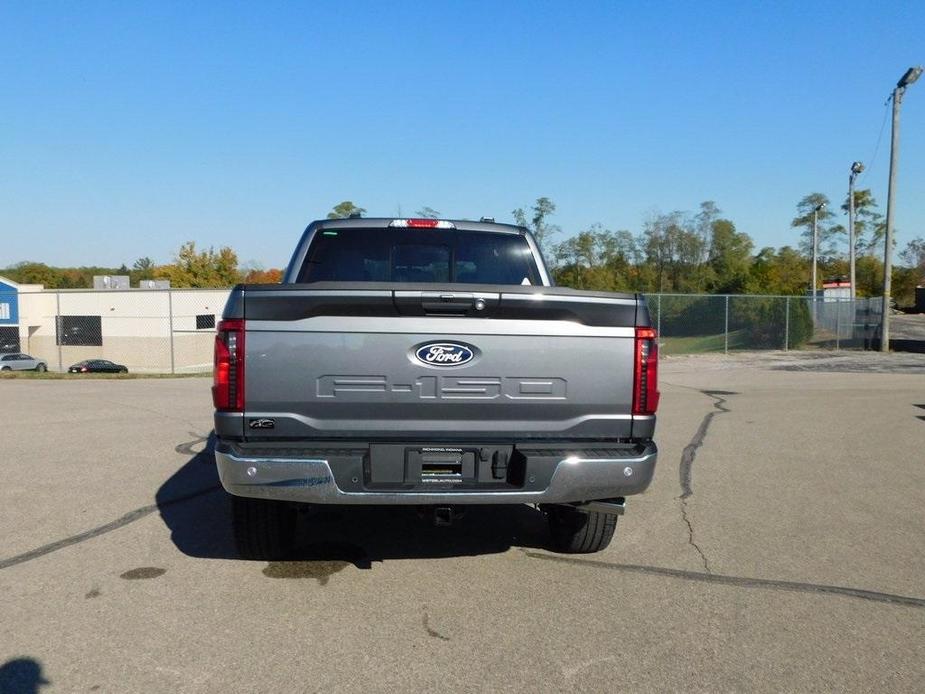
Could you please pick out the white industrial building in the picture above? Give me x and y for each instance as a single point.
(147, 330)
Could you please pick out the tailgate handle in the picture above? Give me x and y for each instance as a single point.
(445, 303)
(433, 302)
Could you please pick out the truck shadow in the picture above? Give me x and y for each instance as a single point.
(197, 511)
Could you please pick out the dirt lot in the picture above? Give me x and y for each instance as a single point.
(779, 548)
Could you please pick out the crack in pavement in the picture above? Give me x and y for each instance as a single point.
(687, 459)
(740, 581)
(433, 633)
(690, 536)
(120, 522)
(185, 448)
(689, 454)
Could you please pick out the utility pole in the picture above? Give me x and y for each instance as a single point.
(816, 210)
(910, 76)
(856, 168)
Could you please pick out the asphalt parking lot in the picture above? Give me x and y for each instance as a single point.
(780, 547)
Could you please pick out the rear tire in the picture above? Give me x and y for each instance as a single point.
(6, 368)
(263, 529)
(123, 370)
(41, 368)
(580, 532)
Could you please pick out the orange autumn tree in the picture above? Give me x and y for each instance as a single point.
(257, 276)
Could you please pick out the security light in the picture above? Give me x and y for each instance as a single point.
(912, 74)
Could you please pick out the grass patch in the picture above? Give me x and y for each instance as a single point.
(699, 344)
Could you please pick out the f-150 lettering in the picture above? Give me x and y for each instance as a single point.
(455, 387)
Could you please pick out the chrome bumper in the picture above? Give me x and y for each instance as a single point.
(311, 481)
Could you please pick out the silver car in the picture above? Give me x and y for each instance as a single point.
(17, 361)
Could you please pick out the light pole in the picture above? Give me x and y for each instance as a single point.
(856, 168)
(910, 76)
(816, 210)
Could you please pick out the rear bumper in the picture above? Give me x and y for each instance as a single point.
(311, 480)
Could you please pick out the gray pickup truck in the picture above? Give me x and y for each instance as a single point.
(431, 363)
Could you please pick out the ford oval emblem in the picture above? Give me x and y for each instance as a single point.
(444, 354)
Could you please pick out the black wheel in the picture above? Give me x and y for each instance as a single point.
(41, 368)
(123, 370)
(263, 529)
(6, 368)
(579, 532)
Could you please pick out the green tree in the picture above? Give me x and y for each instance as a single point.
(730, 258)
(703, 225)
(143, 268)
(869, 275)
(542, 230)
(869, 225)
(781, 271)
(206, 268)
(675, 250)
(591, 248)
(913, 275)
(913, 255)
(804, 221)
(345, 210)
(35, 273)
(769, 322)
(593, 259)
(905, 280)
(659, 239)
(427, 213)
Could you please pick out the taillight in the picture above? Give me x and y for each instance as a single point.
(228, 376)
(645, 381)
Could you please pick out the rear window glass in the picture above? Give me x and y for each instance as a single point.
(418, 255)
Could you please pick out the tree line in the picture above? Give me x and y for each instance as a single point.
(673, 252)
(704, 252)
(190, 268)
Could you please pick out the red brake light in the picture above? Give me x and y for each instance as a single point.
(423, 223)
(645, 382)
(228, 376)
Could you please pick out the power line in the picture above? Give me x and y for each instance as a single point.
(873, 157)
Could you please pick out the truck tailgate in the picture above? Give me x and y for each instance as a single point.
(448, 363)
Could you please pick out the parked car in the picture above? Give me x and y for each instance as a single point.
(97, 366)
(17, 361)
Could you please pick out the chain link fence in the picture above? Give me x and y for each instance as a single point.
(146, 331)
(171, 330)
(692, 323)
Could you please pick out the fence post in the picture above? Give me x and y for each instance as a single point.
(837, 323)
(58, 329)
(658, 321)
(726, 329)
(787, 325)
(170, 328)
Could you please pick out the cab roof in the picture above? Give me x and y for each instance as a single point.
(379, 222)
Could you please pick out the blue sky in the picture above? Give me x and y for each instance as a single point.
(128, 128)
